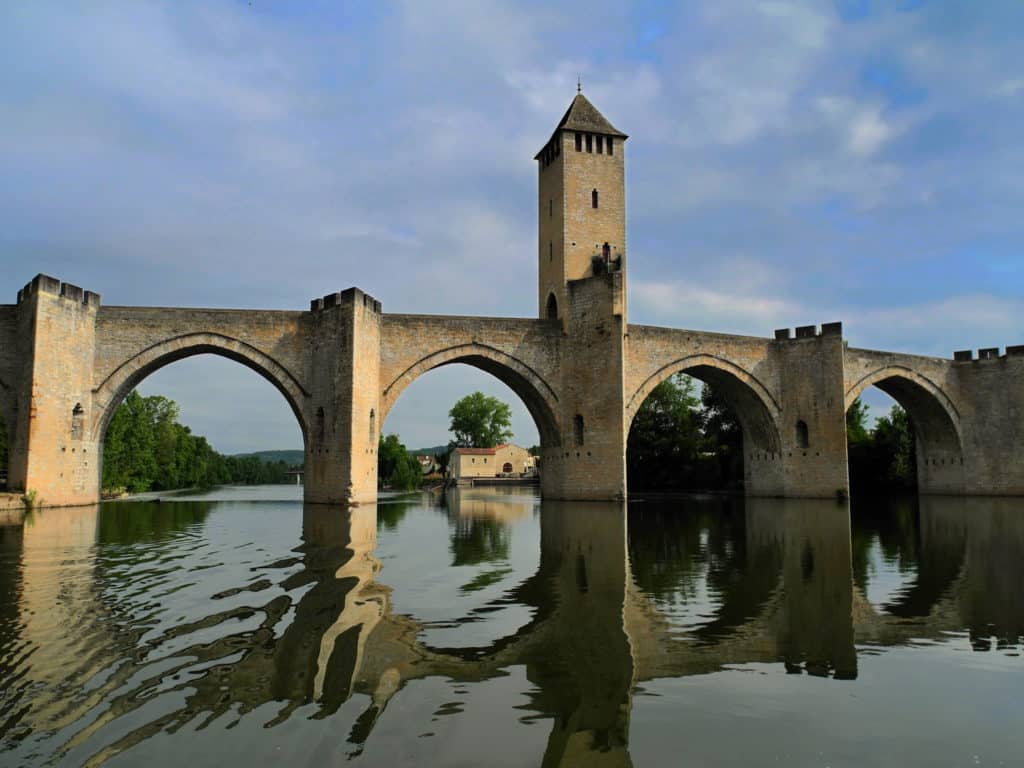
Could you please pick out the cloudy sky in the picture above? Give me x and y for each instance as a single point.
(789, 163)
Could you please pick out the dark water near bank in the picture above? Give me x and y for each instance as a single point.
(487, 628)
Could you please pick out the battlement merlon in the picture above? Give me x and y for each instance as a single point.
(350, 296)
(51, 285)
(809, 331)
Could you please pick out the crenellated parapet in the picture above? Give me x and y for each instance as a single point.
(988, 353)
(44, 284)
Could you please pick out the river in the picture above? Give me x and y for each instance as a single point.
(486, 627)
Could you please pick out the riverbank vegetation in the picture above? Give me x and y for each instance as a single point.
(147, 449)
(683, 441)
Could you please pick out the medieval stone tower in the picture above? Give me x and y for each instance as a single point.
(581, 283)
(581, 204)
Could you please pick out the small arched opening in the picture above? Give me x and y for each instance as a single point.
(903, 435)
(703, 423)
(551, 311)
(803, 439)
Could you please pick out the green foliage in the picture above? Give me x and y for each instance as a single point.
(146, 449)
(480, 421)
(396, 467)
(857, 423)
(884, 459)
(680, 441)
(665, 438)
(291, 457)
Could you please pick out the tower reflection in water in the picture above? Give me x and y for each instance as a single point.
(107, 646)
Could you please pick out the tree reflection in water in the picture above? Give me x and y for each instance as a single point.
(619, 598)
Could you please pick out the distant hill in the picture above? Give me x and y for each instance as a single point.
(429, 451)
(296, 458)
(290, 458)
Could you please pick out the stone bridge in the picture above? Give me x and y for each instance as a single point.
(581, 369)
(66, 362)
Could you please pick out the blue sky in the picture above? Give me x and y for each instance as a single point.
(789, 163)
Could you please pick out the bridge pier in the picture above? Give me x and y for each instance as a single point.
(590, 462)
(53, 455)
(812, 418)
(991, 416)
(344, 402)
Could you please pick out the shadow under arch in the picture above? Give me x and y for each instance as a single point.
(936, 424)
(532, 389)
(754, 406)
(109, 394)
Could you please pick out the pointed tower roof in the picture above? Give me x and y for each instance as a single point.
(583, 116)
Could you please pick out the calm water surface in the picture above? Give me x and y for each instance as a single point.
(487, 628)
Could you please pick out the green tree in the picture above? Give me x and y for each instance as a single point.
(665, 439)
(857, 423)
(147, 449)
(723, 440)
(883, 459)
(894, 439)
(480, 421)
(396, 467)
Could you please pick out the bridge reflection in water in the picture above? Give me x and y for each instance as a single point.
(123, 625)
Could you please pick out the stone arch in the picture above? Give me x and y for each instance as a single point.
(108, 395)
(932, 410)
(754, 406)
(936, 423)
(538, 396)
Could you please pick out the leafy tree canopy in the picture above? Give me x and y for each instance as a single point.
(480, 421)
(396, 467)
(146, 449)
(883, 458)
(857, 423)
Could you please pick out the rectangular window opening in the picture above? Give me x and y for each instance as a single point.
(579, 141)
(611, 146)
(600, 145)
(590, 143)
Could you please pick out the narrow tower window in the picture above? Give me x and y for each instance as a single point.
(577, 429)
(802, 438)
(551, 208)
(77, 421)
(611, 150)
(579, 141)
(552, 309)
(600, 145)
(606, 252)
(551, 251)
(590, 143)
(373, 426)
(593, 199)
(318, 433)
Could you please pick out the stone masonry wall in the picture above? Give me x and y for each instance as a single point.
(524, 354)
(61, 465)
(590, 461)
(156, 336)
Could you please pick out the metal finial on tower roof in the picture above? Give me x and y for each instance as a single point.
(579, 87)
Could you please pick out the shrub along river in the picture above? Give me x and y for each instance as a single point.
(485, 627)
